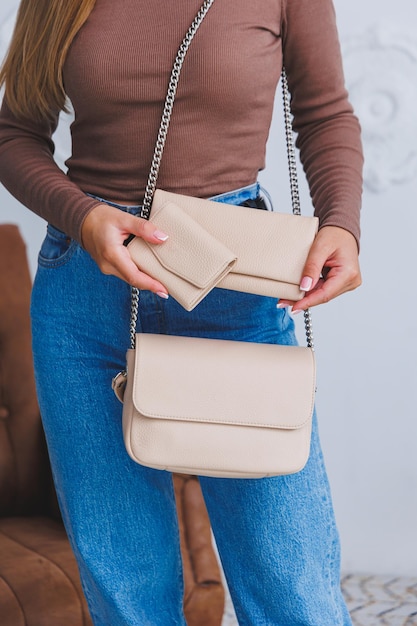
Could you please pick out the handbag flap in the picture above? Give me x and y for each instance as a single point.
(267, 244)
(190, 252)
(222, 381)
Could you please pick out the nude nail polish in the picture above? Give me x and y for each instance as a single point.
(306, 283)
(160, 235)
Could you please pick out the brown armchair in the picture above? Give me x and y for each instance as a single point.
(39, 583)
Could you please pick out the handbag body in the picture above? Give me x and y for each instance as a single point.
(218, 407)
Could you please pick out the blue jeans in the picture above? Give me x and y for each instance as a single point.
(277, 537)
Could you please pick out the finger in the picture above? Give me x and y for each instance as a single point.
(305, 286)
(331, 269)
(282, 304)
(313, 267)
(145, 229)
(315, 297)
(307, 283)
(337, 281)
(121, 265)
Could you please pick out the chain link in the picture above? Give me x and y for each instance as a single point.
(134, 312)
(289, 139)
(308, 324)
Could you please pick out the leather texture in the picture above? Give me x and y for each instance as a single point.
(39, 577)
(217, 407)
(267, 250)
(190, 263)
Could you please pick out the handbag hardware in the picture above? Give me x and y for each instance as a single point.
(212, 419)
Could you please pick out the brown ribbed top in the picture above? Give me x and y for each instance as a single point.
(116, 77)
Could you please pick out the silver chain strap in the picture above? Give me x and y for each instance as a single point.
(160, 144)
(289, 139)
(295, 193)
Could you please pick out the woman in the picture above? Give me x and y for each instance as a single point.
(277, 536)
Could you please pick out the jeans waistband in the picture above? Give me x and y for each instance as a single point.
(251, 195)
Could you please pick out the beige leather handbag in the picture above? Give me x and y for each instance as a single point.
(217, 407)
(265, 255)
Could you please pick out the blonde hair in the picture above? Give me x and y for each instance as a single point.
(32, 69)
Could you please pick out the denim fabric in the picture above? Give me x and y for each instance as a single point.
(276, 536)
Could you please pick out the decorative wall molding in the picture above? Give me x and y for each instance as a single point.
(381, 75)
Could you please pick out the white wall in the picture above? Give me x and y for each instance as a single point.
(366, 340)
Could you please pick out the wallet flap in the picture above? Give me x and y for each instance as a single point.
(221, 381)
(190, 252)
(267, 244)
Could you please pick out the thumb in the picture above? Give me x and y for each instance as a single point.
(133, 226)
(140, 227)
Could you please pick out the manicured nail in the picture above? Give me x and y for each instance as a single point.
(160, 235)
(281, 305)
(162, 294)
(297, 311)
(306, 283)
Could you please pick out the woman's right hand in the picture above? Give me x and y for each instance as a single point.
(103, 232)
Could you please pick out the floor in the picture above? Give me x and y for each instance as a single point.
(372, 601)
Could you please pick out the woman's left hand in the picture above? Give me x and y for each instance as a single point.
(332, 268)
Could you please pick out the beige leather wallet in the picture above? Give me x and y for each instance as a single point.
(233, 247)
(190, 263)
